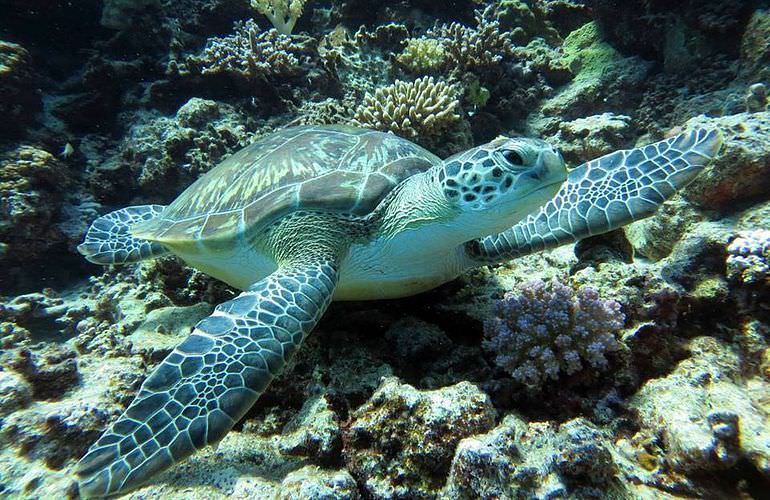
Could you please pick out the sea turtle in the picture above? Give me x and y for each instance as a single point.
(312, 214)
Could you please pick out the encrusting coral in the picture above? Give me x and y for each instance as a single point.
(417, 110)
(282, 13)
(549, 329)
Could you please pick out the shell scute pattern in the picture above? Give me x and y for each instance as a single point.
(325, 168)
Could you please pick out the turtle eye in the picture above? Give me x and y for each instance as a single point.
(513, 157)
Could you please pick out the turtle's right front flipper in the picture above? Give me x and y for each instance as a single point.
(109, 239)
(604, 194)
(211, 379)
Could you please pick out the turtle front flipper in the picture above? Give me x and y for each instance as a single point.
(605, 194)
(109, 240)
(196, 395)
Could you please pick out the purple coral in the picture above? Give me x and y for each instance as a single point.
(549, 328)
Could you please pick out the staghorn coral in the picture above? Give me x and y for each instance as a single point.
(423, 55)
(550, 329)
(250, 54)
(282, 13)
(415, 110)
(473, 48)
(748, 257)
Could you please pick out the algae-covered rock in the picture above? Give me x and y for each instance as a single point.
(593, 136)
(534, 460)
(51, 371)
(19, 97)
(15, 392)
(401, 442)
(603, 77)
(740, 173)
(311, 482)
(707, 416)
(755, 47)
(313, 432)
(32, 186)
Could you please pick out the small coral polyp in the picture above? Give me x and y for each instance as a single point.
(550, 329)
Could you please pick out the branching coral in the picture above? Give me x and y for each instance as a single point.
(550, 329)
(748, 257)
(423, 55)
(282, 13)
(415, 109)
(472, 48)
(250, 54)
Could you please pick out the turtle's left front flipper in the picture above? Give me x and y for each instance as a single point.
(196, 395)
(605, 194)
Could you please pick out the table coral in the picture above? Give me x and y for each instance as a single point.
(549, 329)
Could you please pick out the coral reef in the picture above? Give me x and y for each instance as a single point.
(661, 392)
(549, 330)
(162, 155)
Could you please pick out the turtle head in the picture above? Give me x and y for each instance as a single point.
(497, 184)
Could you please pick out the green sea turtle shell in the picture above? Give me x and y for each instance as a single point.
(334, 168)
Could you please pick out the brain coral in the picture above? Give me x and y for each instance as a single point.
(550, 329)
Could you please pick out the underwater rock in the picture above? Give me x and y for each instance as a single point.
(604, 81)
(166, 327)
(740, 172)
(534, 460)
(401, 442)
(32, 184)
(587, 138)
(549, 330)
(314, 432)
(756, 98)
(707, 415)
(57, 434)
(311, 482)
(15, 392)
(748, 257)
(655, 237)
(755, 47)
(20, 98)
(51, 370)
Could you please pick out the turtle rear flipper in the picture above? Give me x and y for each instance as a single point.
(109, 239)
